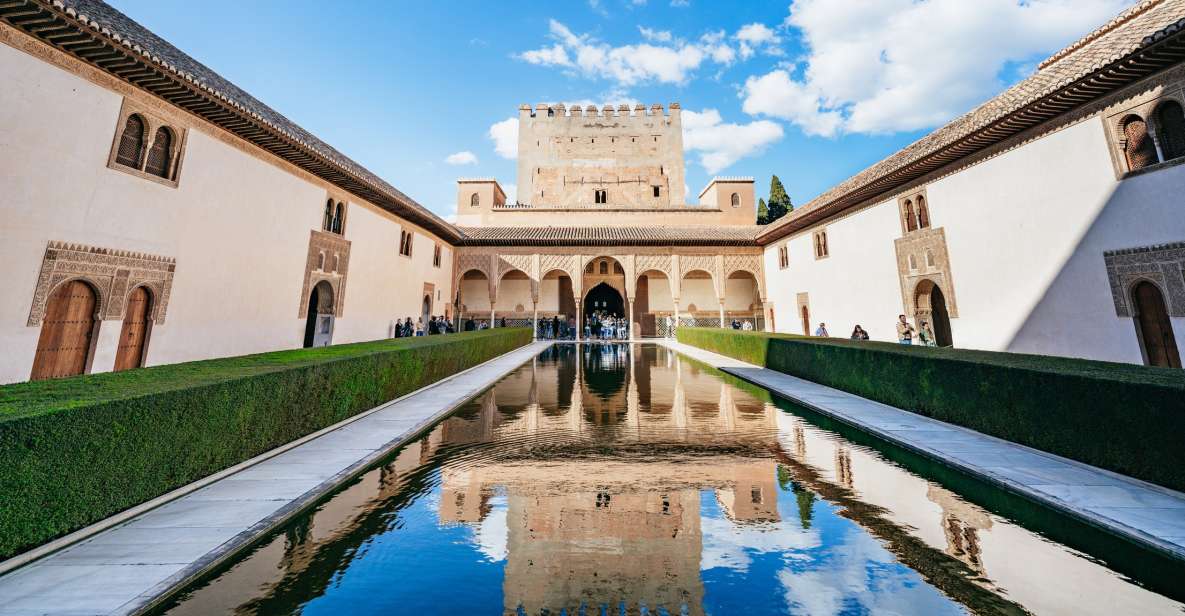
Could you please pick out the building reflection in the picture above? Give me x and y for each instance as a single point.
(603, 484)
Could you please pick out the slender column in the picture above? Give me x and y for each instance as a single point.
(492, 320)
(675, 325)
(535, 320)
(722, 314)
(579, 322)
(629, 316)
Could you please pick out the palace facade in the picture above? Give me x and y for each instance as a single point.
(157, 213)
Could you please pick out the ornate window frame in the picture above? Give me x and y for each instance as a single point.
(902, 215)
(154, 119)
(1145, 105)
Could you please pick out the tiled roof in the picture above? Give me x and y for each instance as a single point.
(112, 34)
(1113, 56)
(612, 236)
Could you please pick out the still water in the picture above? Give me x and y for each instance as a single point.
(625, 479)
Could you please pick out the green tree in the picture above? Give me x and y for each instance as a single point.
(762, 212)
(779, 202)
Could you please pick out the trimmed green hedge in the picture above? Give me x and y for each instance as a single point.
(74, 451)
(1122, 417)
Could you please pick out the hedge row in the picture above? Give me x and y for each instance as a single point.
(74, 451)
(1121, 417)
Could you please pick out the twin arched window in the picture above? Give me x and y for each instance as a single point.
(1170, 120)
(157, 158)
(1141, 150)
(917, 216)
(600, 196)
(335, 217)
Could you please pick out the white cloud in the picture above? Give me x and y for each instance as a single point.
(758, 36)
(505, 136)
(461, 158)
(869, 69)
(661, 36)
(663, 58)
(547, 56)
(722, 144)
(681, 3)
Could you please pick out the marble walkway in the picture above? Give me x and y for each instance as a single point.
(123, 569)
(1142, 512)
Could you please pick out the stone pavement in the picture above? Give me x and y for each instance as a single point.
(125, 568)
(1148, 514)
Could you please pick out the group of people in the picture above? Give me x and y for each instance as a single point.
(906, 333)
(742, 325)
(406, 328)
(555, 328)
(601, 325)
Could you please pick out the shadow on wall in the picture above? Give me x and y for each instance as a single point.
(1076, 316)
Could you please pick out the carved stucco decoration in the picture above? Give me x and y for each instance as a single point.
(112, 273)
(746, 263)
(711, 264)
(1162, 265)
(930, 261)
(522, 263)
(565, 263)
(328, 260)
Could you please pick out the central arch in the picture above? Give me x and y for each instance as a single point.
(931, 306)
(604, 298)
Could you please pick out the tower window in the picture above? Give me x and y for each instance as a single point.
(600, 196)
(657, 190)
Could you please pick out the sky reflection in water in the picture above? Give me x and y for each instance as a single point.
(635, 480)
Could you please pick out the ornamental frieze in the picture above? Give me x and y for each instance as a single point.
(112, 273)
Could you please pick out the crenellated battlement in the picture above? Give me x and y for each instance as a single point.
(560, 110)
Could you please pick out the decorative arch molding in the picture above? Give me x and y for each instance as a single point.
(710, 264)
(1163, 265)
(746, 263)
(111, 272)
(327, 243)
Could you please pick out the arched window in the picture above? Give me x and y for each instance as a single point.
(600, 196)
(923, 213)
(321, 261)
(159, 154)
(911, 223)
(327, 224)
(929, 258)
(337, 260)
(474, 200)
(1139, 150)
(1171, 120)
(339, 216)
(604, 267)
(131, 143)
(735, 200)
(913, 263)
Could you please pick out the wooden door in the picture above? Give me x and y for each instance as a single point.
(1156, 331)
(66, 332)
(806, 321)
(134, 334)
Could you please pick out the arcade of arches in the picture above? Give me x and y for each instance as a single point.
(650, 286)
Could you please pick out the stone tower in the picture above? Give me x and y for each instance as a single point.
(620, 158)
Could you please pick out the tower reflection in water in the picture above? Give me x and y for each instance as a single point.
(624, 479)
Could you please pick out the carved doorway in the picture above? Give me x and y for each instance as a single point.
(930, 306)
(67, 332)
(318, 328)
(133, 338)
(1153, 326)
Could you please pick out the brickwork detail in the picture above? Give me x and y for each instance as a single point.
(328, 260)
(113, 274)
(1163, 265)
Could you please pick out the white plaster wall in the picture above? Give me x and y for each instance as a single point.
(698, 292)
(857, 283)
(659, 294)
(1026, 231)
(238, 227)
(475, 296)
(514, 292)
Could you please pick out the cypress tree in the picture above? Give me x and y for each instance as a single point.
(762, 212)
(779, 202)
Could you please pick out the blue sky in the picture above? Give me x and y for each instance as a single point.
(813, 91)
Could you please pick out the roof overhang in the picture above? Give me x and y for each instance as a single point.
(1156, 53)
(67, 29)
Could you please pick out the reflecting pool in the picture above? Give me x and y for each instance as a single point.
(625, 479)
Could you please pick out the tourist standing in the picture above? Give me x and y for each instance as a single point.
(859, 333)
(747, 326)
(397, 328)
(821, 331)
(925, 334)
(905, 331)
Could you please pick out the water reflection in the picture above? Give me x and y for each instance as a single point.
(622, 479)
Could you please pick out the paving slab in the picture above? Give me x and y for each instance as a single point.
(128, 567)
(1148, 514)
